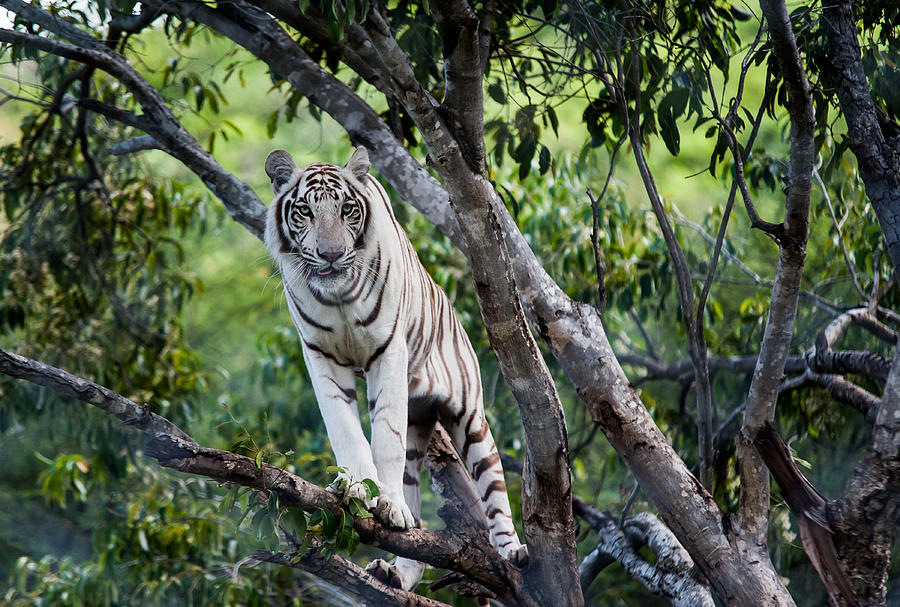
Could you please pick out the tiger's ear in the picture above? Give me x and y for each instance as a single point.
(279, 167)
(358, 165)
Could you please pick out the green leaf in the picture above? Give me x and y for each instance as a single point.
(669, 129)
(342, 538)
(329, 525)
(358, 508)
(544, 160)
(554, 120)
(372, 489)
(295, 520)
(272, 124)
(227, 503)
(497, 92)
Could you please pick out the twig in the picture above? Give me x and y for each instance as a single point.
(850, 268)
(595, 230)
(598, 255)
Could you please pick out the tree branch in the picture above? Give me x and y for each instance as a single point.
(671, 575)
(764, 386)
(466, 550)
(274, 46)
(808, 506)
(546, 493)
(463, 104)
(158, 120)
(349, 576)
(694, 331)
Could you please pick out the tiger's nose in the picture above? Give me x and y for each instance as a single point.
(330, 255)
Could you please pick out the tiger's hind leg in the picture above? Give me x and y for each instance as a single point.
(405, 573)
(473, 441)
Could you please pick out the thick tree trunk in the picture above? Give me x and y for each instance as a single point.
(866, 518)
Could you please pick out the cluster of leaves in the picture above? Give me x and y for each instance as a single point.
(166, 542)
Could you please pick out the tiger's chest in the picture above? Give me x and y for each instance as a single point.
(351, 333)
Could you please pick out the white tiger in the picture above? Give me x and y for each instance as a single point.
(363, 303)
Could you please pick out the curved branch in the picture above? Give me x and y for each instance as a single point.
(671, 575)
(158, 120)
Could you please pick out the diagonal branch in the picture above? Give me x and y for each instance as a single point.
(66, 384)
(355, 50)
(466, 551)
(159, 119)
(546, 493)
(808, 506)
(272, 45)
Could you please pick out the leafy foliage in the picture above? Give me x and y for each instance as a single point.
(102, 257)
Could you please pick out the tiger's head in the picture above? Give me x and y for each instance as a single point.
(317, 222)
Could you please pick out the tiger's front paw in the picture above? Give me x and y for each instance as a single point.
(393, 512)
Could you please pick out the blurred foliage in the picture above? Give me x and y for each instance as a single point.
(124, 271)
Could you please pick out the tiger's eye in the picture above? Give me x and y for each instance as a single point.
(304, 210)
(347, 208)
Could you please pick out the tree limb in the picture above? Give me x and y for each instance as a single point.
(349, 576)
(158, 120)
(466, 550)
(546, 493)
(808, 506)
(671, 575)
(766, 380)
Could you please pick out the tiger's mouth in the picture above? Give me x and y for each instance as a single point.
(331, 271)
